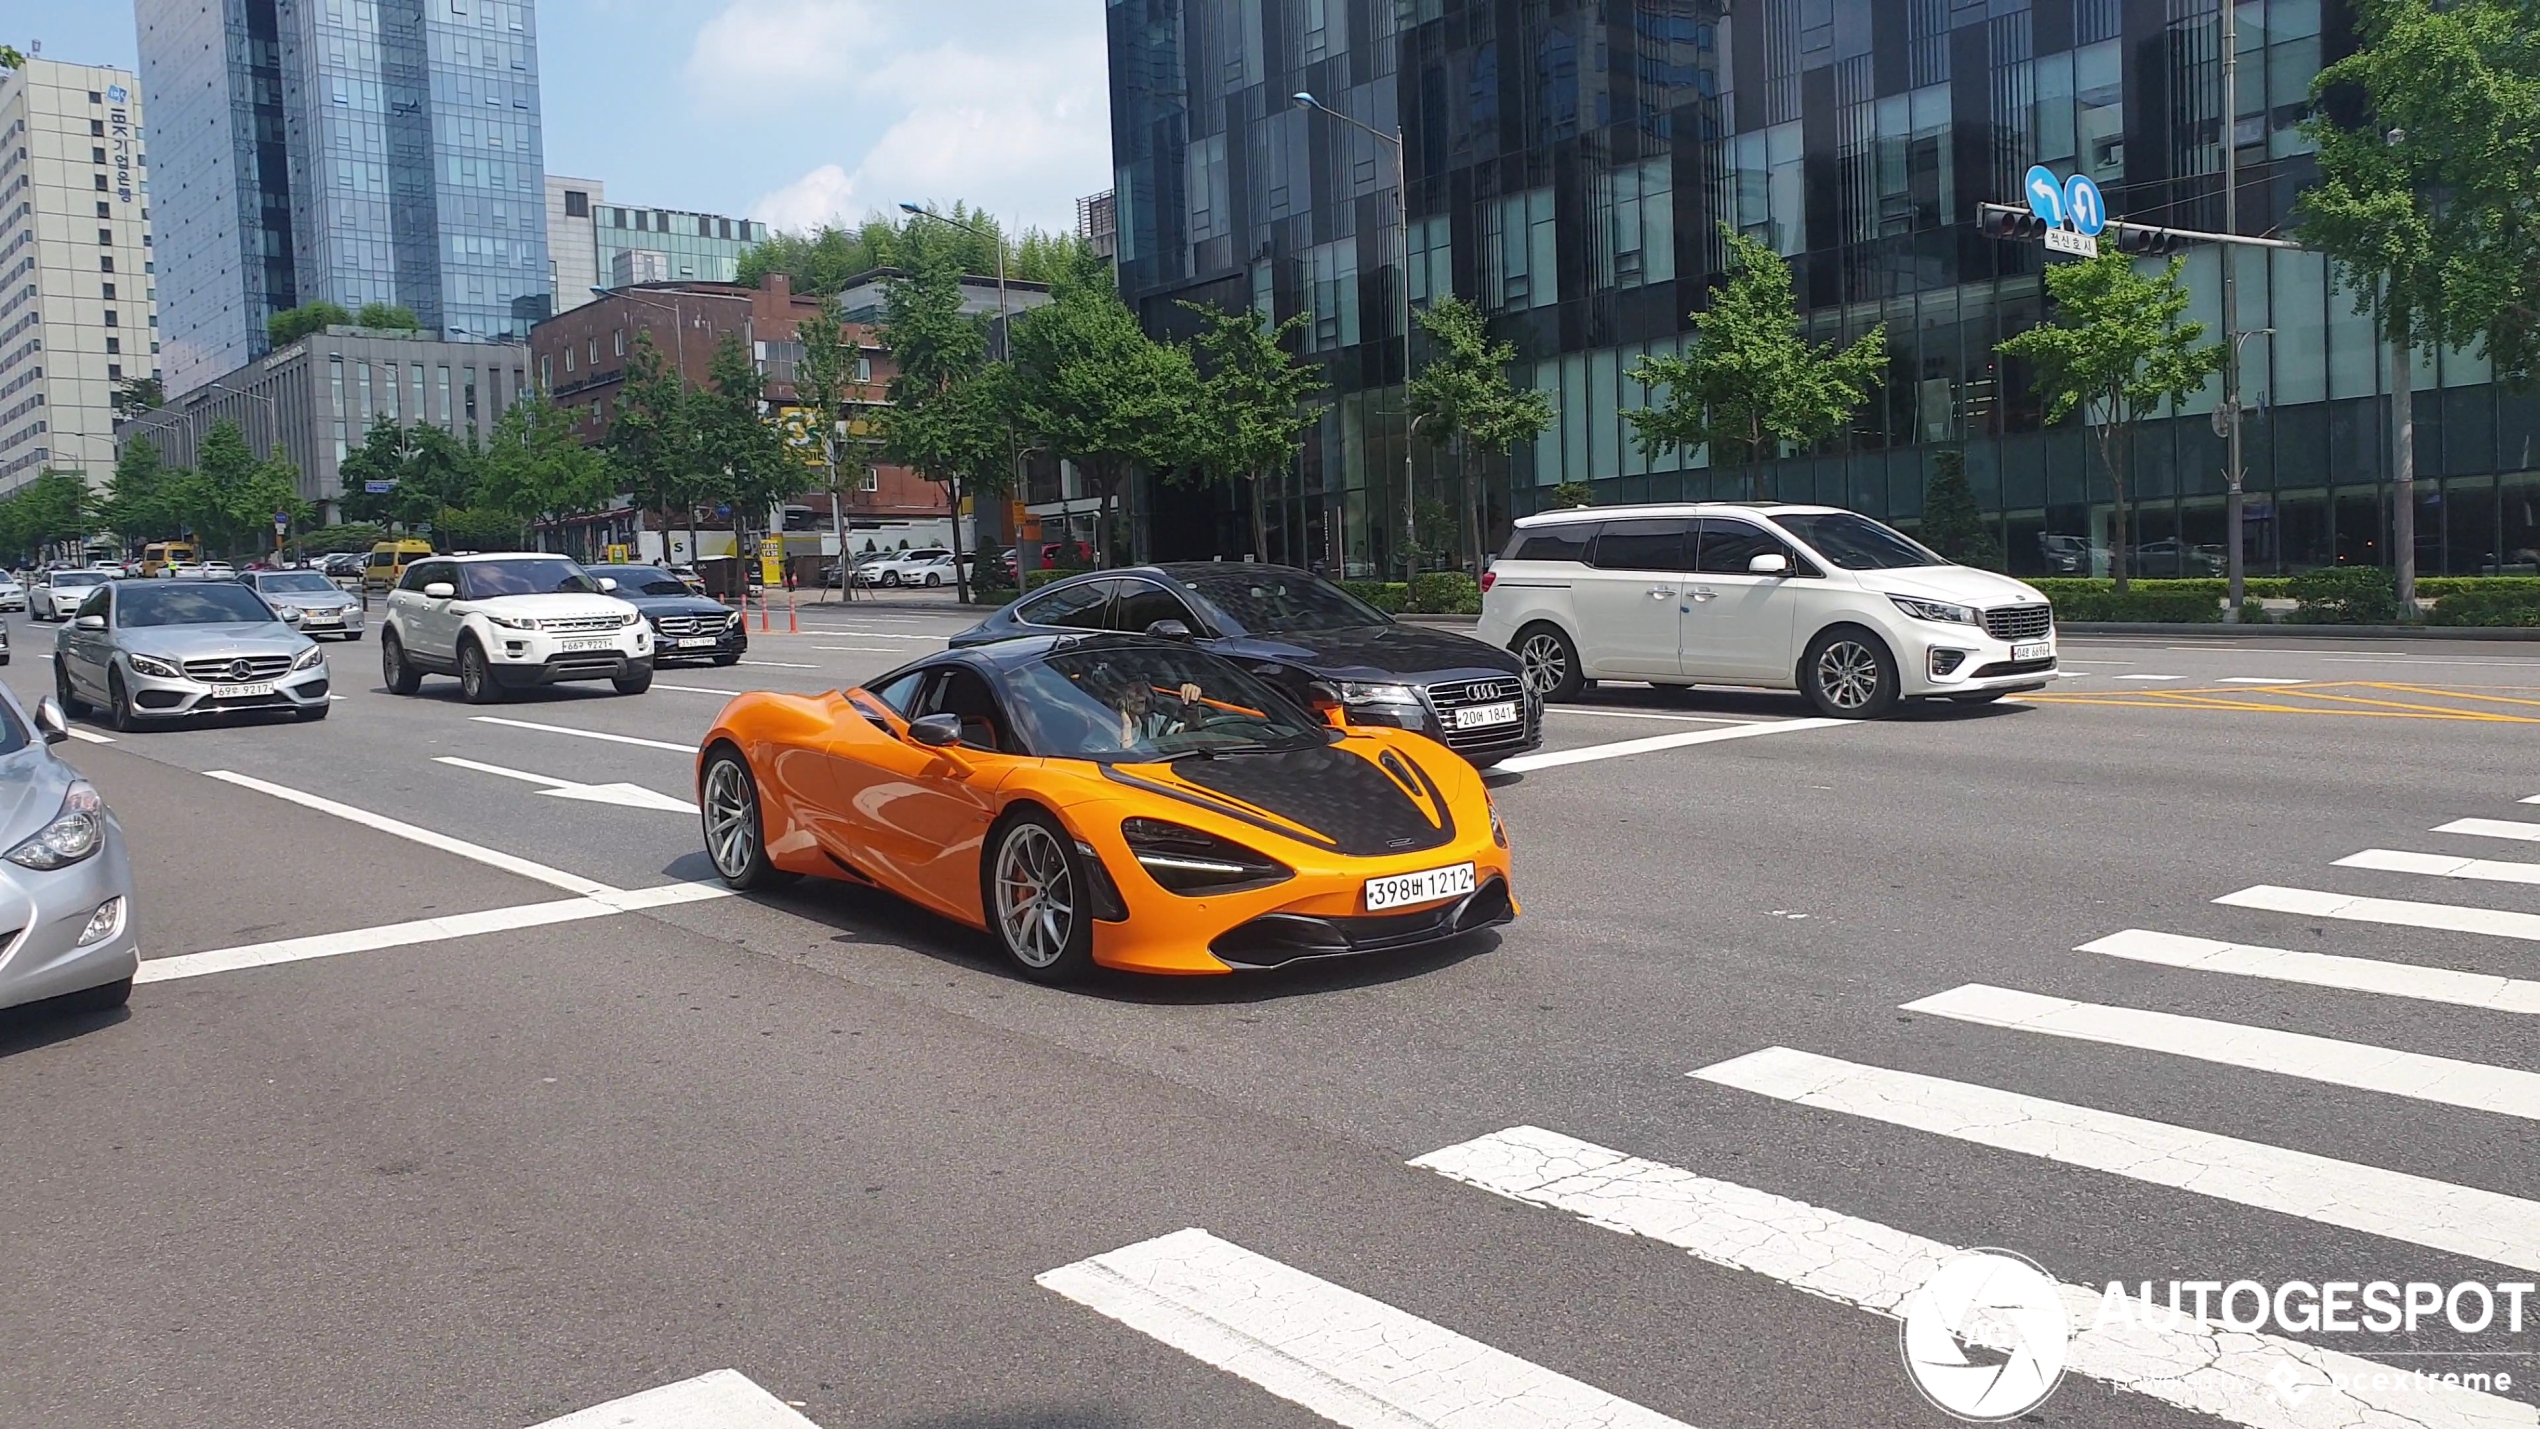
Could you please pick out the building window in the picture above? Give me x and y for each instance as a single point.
(1331, 295)
(97, 127)
(594, 353)
(1520, 256)
(114, 344)
(105, 265)
(1432, 263)
(101, 182)
(114, 372)
(547, 372)
(577, 204)
(96, 156)
(621, 342)
(109, 292)
(568, 362)
(113, 319)
(871, 480)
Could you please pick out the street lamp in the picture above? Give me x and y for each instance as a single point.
(2235, 479)
(1005, 353)
(1402, 216)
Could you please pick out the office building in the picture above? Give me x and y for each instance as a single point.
(78, 318)
(1569, 168)
(346, 151)
(593, 243)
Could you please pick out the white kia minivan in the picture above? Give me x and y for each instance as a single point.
(1824, 601)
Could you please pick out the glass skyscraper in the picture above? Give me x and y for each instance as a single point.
(1571, 163)
(357, 151)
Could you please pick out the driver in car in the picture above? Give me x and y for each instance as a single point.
(1143, 719)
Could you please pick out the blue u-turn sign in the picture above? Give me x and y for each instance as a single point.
(2046, 196)
(2088, 207)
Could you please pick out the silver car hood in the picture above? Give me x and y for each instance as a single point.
(206, 642)
(311, 599)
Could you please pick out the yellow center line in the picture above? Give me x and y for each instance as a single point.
(2238, 700)
(2460, 694)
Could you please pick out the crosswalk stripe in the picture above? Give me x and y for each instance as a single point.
(2493, 829)
(2486, 870)
(1351, 1359)
(2472, 1085)
(2417, 1209)
(2397, 912)
(1876, 1267)
(2496, 994)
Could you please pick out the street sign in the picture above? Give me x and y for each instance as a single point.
(2087, 207)
(2064, 240)
(379, 488)
(2046, 196)
(282, 523)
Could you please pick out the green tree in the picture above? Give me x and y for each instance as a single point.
(1463, 398)
(1751, 383)
(535, 469)
(822, 261)
(136, 504)
(2118, 350)
(649, 442)
(1251, 415)
(426, 470)
(1095, 390)
(1953, 524)
(2426, 203)
(11, 57)
(824, 377)
(390, 316)
(135, 395)
(1572, 494)
(57, 508)
(742, 451)
(232, 497)
(287, 327)
(950, 406)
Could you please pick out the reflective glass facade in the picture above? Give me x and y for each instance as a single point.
(1570, 163)
(352, 150)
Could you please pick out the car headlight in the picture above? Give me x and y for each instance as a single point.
(1191, 862)
(310, 658)
(1354, 693)
(1938, 610)
(155, 669)
(630, 618)
(76, 833)
(734, 623)
(512, 622)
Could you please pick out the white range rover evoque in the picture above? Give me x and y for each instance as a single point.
(510, 622)
(1810, 598)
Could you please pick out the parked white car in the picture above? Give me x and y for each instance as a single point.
(926, 566)
(510, 622)
(1827, 602)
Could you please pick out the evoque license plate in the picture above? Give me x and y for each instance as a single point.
(1405, 890)
(589, 644)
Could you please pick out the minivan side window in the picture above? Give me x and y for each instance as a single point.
(1650, 544)
(1727, 547)
(1566, 542)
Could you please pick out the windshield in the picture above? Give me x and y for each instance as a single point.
(192, 605)
(72, 578)
(1266, 602)
(488, 579)
(1141, 704)
(299, 582)
(1857, 543)
(641, 580)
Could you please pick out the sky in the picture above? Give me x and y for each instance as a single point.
(792, 112)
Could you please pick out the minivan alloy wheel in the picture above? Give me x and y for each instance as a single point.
(1848, 671)
(1545, 663)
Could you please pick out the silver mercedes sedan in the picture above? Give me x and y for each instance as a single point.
(326, 612)
(67, 934)
(152, 651)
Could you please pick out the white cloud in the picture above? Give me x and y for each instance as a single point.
(758, 48)
(825, 195)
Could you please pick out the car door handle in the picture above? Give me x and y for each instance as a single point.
(1701, 593)
(1662, 593)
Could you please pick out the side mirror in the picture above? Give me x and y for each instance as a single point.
(1169, 630)
(291, 615)
(1773, 564)
(936, 731)
(440, 590)
(92, 622)
(1327, 702)
(608, 585)
(50, 722)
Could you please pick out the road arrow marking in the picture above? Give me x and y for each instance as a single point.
(723, 1399)
(625, 796)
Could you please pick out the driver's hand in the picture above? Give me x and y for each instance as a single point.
(1190, 694)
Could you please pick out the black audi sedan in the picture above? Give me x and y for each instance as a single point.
(1297, 628)
(686, 626)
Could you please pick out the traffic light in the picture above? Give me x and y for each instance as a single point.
(2149, 242)
(2002, 221)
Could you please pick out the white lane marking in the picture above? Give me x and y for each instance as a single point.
(2103, 662)
(363, 940)
(588, 734)
(2268, 650)
(1554, 759)
(85, 736)
(2072, 675)
(724, 1399)
(1644, 714)
(495, 858)
(2153, 679)
(2534, 799)
(1353, 1360)
(2471, 1085)
(1877, 1267)
(699, 690)
(2257, 680)
(779, 665)
(860, 650)
(2485, 870)
(2461, 989)
(877, 635)
(2493, 829)
(2421, 660)
(2397, 912)
(625, 796)
(2418, 1209)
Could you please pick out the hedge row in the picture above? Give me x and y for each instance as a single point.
(2488, 608)
(1433, 593)
(2259, 587)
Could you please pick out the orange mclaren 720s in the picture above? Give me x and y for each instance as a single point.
(1113, 801)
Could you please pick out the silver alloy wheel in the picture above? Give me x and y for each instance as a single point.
(1036, 906)
(1848, 672)
(731, 820)
(1545, 663)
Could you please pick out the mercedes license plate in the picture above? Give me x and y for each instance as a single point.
(241, 692)
(577, 645)
(697, 642)
(2040, 651)
(1405, 890)
(1476, 716)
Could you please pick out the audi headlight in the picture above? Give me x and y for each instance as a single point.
(76, 833)
(155, 669)
(513, 622)
(1192, 862)
(1354, 693)
(1938, 610)
(310, 658)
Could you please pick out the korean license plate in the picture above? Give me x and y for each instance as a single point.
(697, 642)
(1405, 890)
(240, 692)
(326, 618)
(576, 645)
(1477, 716)
(2040, 651)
